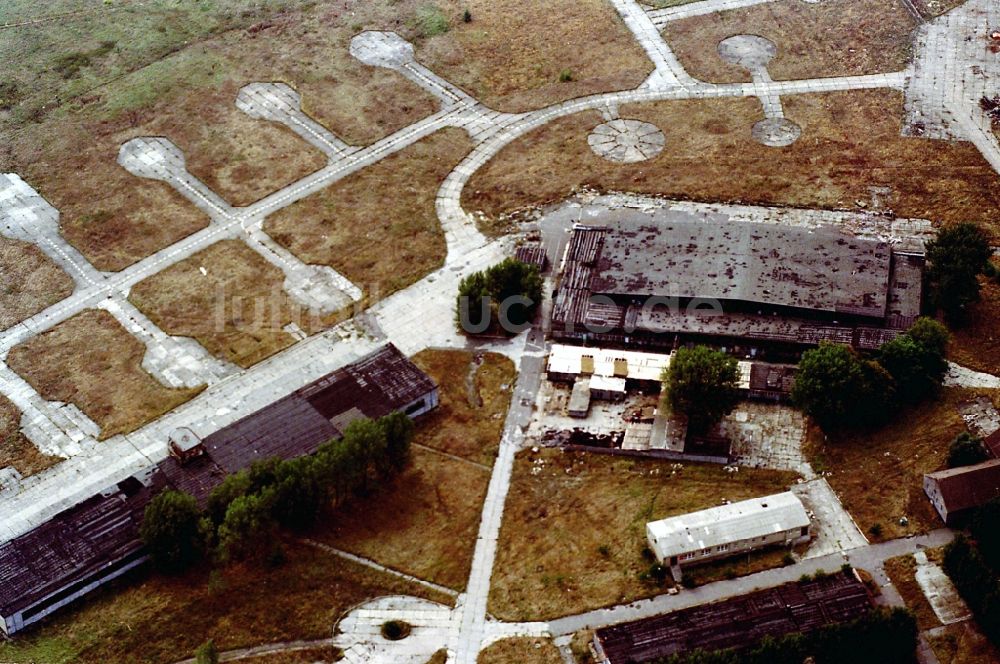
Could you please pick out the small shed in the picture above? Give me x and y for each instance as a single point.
(604, 388)
(579, 399)
(184, 444)
(957, 491)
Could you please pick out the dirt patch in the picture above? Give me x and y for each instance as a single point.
(516, 56)
(831, 38)
(377, 227)
(425, 524)
(15, 449)
(92, 361)
(710, 156)
(902, 572)
(236, 308)
(976, 344)
(29, 282)
(162, 619)
(574, 527)
(878, 475)
(319, 655)
(464, 424)
(963, 644)
(521, 651)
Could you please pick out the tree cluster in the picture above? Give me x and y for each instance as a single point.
(702, 384)
(246, 511)
(974, 574)
(956, 259)
(841, 389)
(966, 450)
(883, 636)
(502, 298)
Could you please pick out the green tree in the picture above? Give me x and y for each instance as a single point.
(232, 487)
(702, 384)
(299, 496)
(366, 443)
(398, 430)
(917, 360)
(985, 528)
(206, 653)
(171, 531)
(966, 450)
(840, 389)
(248, 529)
(503, 297)
(956, 258)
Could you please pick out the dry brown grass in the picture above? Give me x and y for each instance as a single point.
(521, 651)
(902, 572)
(833, 38)
(976, 344)
(879, 474)
(512, 53)
(236, 310)
(115, 218)
(92, 361)
(163, 619)
(377, 227)
(475, 394)
(15, 449)
(425, 524)
(931, 8)
(850, 142)
(573, 534)
(963, 643)
(29, 282)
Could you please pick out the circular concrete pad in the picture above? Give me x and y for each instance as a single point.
(776, 132)
(626, 141)
(747, 51)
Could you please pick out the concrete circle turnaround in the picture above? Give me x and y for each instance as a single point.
(747, 51)
(776, 132)
(626, 141)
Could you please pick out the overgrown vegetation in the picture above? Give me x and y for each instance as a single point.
(701, 384)
(432, 21)
(841, 389)
(499, 299)
(883, 636)
(246, 511)
(966, 450)
(956, 258)
(975, 575)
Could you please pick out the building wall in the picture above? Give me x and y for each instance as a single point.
(695, 556)
(17, 622)
(423, 405)
(933, 492)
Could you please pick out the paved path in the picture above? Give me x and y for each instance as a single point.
(668, 73)
(661, 17)
(868, 558)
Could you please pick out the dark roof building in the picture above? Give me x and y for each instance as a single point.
(649, 283)
(738, 623)
(89, 544)
(956, 491)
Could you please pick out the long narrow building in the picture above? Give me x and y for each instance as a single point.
(88, 545)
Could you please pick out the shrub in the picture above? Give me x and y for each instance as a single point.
(565, 76)
(431, 21)
(966, 450)
(396, 630)
(206, 653)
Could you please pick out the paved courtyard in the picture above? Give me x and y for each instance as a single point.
(951, 71)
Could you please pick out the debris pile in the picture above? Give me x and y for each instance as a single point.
(992, 108)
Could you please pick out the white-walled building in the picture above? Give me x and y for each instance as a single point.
(729, 530)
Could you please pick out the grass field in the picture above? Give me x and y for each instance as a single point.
(425, 524)
(832, 38)
(475, 395)
(516, 56)
(174, 70)
(236, 309)
(574, 527)
(879, 474)
(902, 572)
(976, 344)
(15, 449)
(710, 156)
(521, 651)
(92, 361)
(29, 282)
(163, 619)
(377, 227)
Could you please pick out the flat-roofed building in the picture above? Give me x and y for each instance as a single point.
(729, 530)
(645, 282)
(738, 623)
(956, 492)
